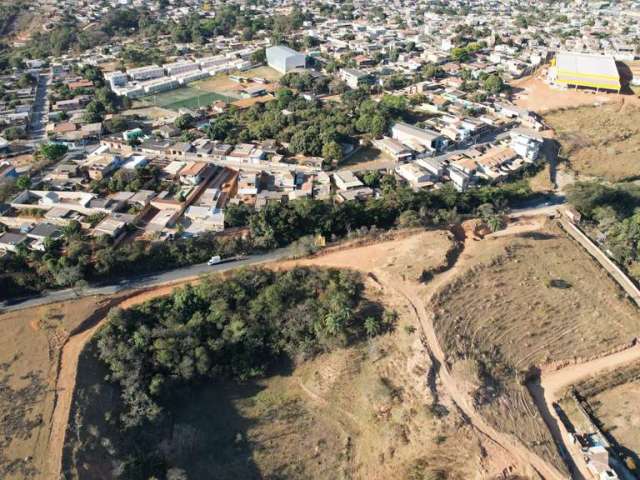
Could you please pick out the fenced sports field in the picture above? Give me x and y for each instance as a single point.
(185, 97)
(204, 92)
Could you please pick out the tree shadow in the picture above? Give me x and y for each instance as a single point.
(536, 235)
(201, 431)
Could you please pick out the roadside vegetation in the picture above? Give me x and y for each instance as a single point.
(77, 258)
(611, 217)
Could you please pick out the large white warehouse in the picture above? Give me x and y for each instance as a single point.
(285, 59)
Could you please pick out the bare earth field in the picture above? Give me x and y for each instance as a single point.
(614, 397)
(29, 352)
(600, 141)
(472, 317)
(367, 158)
(619, 411)
(534, 94)
(524, 302)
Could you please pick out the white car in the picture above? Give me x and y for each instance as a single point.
(213, 260)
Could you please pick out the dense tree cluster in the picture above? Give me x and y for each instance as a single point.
(228, 328)
(230, 20)
(65, 36)
(308, 126)
(612, 212)
(278, 225)
(148, 177)
(305, 82)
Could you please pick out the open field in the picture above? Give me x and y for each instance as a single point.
(614, 397)
(533, 296)
(619, 411)
(154, 113)
(534, 94)
(525, 295)
(367, 158)
(29, 354)
(361, 412)
(600, 141)
(265, 72)
(527, 301)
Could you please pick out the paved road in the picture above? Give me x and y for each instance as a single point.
(539, 207)
(146, 281)
(543, 206)
(40, 114)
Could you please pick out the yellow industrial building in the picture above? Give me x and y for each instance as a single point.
(572, 69)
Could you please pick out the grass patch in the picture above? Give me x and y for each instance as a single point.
(600, 141)
(185, 97)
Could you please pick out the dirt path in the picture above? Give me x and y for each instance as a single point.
(65, 386)
(551, 385)
(367, 260)
(555, 382)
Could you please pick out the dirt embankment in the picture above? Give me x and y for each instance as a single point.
(386, 262)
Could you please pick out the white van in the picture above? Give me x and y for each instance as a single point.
(213, 260)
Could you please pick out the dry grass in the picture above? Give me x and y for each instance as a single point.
(265, 72)
(601, 141)
(29, 352)
(614, 401)
(540, 299)
(407, 257)
(362, 412)
(222, 83)
(528, 301)
(357, 413)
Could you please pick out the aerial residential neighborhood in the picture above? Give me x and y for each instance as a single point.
(327, 239)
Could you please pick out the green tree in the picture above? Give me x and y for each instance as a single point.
(23, 182)
(184, 122)
(372, 326)
(14, 133)
(494, 84)
(53, 151)
(259, 56)
(332, 151)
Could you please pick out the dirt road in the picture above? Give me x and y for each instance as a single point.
(367, 259)
(551, 385)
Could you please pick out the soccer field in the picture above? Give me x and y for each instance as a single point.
(185, 97)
